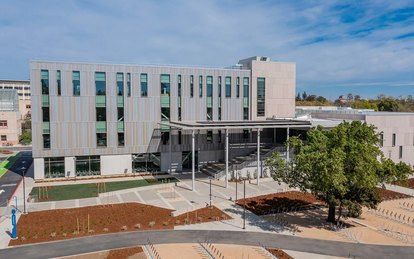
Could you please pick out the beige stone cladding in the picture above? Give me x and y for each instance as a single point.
(400, 124)
(10, 133)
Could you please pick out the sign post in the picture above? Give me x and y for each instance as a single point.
(14, 229)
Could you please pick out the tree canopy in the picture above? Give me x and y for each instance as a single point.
(342, 166)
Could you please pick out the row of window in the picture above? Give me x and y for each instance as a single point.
(16, 87)
(100, 76)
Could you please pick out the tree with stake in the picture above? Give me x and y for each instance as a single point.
(342, 166)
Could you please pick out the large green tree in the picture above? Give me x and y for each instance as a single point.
(342, 166)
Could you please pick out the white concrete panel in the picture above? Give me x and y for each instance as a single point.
(116, 164)
(39, 168)
(70, 166)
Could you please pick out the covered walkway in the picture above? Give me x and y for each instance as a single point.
(257, 126)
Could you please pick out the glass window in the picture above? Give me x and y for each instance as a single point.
(45, 113)
(381, 140)
(394, 139)
(179, 137)
(246, 87)
(58, 79)
(219, 86)
(209, 136)
(76, 83)
(100, 83)
(3, 123)
(245, 134)
(120, 84)
(191, 86)
(200, 89)
(46, 140)
(45, 81)
(401, 152)
(179, 96)
(165, 137)
(54, 167)
(144, 85)
(101, 139)
(121, 141)
(129, 84)
(237, 87)
(120, 113)
(219, 136)
(261, 92)
(88, 165)
(228, 86)
(100, 113)
(209, 86)
(3, 137)
(165, 97)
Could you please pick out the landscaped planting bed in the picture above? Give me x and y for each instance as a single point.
(41, 226)
(280, 254)
(407, 184)
(124, 253)
(88, 190)
(390, 195)
(278, 202)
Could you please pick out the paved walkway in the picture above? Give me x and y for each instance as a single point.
(119, 240)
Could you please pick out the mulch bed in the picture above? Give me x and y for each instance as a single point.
(278, 202)
(280, 254)
(390, 195)
(41, 226)
(407, 184)
(124, 253)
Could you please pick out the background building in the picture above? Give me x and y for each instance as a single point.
(23, 91)
(10, 118)
(113, 119)
(396, 128)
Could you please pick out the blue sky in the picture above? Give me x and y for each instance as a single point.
(363, 47)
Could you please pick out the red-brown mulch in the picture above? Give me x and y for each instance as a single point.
(49, 225)
(407, 184)
(391, 195)
(278, 202)
(280, 254)
(124, 253)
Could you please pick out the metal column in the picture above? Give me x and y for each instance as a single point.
(258, 155)
(227, 158)
(193, 160)
(287, 147)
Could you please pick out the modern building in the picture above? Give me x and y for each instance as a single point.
(23, 91)
(396, 128)
(10, 119)
(105, 119)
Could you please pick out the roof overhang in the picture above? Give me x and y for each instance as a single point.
(210, 125)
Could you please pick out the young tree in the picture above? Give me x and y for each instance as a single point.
(298, 97)
(304, 96)
(342, 167)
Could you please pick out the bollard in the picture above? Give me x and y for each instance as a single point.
(14, 230)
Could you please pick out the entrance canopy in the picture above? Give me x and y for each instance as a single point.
(209, 125)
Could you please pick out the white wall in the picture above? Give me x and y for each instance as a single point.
(70, 166)
(39, 168)
(116, 164)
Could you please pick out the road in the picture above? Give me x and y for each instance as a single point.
(125, 239)
(11, 179)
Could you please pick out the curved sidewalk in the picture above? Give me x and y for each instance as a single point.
(118, 240)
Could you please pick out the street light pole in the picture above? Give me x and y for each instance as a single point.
(210, 192)
(235, 200)
(244, 205)
(24, 190)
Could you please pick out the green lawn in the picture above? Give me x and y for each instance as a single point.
(6, 164)
(80, 191)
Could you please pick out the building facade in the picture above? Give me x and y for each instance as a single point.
(104, 119)
(10, 123)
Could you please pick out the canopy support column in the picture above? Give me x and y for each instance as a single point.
(227, 158)
(193, 160)
(258, 156)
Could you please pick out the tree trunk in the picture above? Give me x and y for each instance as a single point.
(331, 213)
(339, 212)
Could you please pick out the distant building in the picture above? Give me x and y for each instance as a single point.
(10, 118)
(24, 94)
(397, 128)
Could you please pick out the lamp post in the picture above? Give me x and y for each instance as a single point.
(235, 200)
(244, 205)
(24, 189)
(210, 191)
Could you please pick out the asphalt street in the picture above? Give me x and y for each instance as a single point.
(11, 179)
(125, 239)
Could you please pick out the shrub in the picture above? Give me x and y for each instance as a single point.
(137, 226)
(53, 234)
(124, 228)
(200, 219)
(151, 224)
(105, 229)
(165, 223)
(64, 234)
(177, 222)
